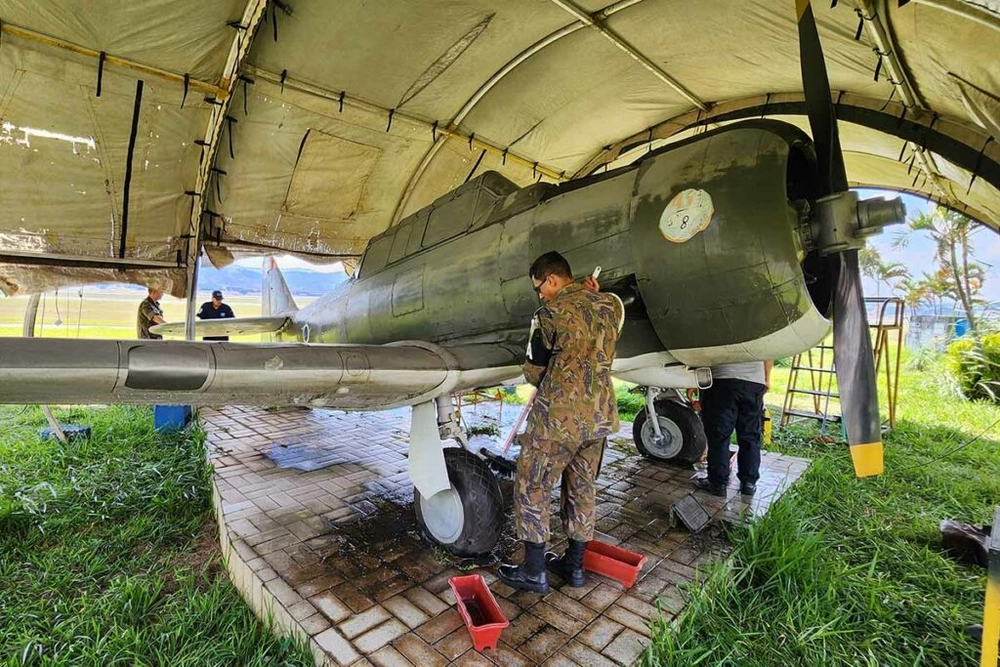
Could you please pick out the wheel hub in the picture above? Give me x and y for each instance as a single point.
(443, 515)
(671, 442)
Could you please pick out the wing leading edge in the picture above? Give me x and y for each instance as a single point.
(348, 377)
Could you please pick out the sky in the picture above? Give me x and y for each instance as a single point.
(917, 256)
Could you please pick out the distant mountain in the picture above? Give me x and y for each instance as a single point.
(244, 280)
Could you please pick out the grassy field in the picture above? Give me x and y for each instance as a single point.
(850, 572)
(109, 554)
(106, 313)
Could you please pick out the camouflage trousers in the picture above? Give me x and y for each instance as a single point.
(538, 468)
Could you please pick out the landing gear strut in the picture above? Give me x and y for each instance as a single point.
(466, 516)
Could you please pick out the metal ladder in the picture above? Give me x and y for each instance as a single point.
(820, 368)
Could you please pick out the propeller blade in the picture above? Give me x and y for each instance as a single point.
(855, 361)
(816, 88)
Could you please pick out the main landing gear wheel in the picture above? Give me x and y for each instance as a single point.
(464, 520)
(683, 440)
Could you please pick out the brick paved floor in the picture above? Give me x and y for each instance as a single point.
(316, 518)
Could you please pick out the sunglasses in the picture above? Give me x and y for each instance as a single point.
(538, 287)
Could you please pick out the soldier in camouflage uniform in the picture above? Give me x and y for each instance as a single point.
(571, 347)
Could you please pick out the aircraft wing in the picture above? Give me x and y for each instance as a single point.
(348, 377)
(235, 326)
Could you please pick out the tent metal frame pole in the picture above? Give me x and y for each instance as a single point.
(959, 143)
(253, 16)
(607, 33)
(109, 59)
(488, 85)
(874, 13)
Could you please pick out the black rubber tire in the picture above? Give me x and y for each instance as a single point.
(688, 423)
(482, 504)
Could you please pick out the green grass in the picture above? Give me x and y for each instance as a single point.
(850, 572)
(108, 551)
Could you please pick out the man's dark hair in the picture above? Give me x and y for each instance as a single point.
(549, 264)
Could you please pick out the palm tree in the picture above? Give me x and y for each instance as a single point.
(881, 272)
(958, 275)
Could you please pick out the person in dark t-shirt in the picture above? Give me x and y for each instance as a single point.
(214, 310)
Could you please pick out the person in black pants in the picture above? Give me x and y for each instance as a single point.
(213, 310)
(735, 401)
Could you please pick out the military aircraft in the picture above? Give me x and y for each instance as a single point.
(737, 244)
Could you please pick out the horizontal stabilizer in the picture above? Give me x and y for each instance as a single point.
(237, 326)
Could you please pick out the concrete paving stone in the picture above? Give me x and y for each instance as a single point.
(471, 658)
(379, 636)
(352, 597)
(392, 587)
(363, 622)
(266, 536)
(337, 647)
(319, 584)
(419, 652)
(425, 600)
(590, 583)
(628, 619)
(276, 544)
(301, 610)
(331, 606)
(601, 597)
(671, 599)
(600, 633)
(559, 660)
(638, 607)
(387, 656)
(437, 628)
(675, 572)
(284, 593)
(573, 608)
(314, 624)
(407, 612)
(439, 582)
(522, 629)
(506, 657)
(455, 643)
(558, 618)
(626, 648)
(543, 644)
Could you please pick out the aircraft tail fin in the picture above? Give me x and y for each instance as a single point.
(276, 297)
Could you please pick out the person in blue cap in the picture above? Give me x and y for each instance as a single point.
(214, 310)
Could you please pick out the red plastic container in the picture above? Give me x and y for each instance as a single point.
(479, 609)
(613, 562)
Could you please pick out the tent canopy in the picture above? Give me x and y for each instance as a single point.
(128, 130)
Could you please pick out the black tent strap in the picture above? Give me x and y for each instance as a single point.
(274, 20)
(434, 131)
(284, 75)
(392, 112)
(202, 143)
(979, 160)
(471, 139)
(212, 99)
(187, 84)
(100, 71)
(136, 110)
(246, 81)
(479, 161)
(503, 156)
(340, 101)
(229, 122)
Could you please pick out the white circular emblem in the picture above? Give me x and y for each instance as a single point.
(689, 212)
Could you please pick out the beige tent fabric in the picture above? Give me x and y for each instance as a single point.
(359, 114)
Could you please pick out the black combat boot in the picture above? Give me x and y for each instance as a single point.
(569, 566)
(529, 575)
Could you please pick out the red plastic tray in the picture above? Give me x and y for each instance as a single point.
(479, 609)
(613, 562)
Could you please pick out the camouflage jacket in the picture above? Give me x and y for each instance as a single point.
(148, 309)
(569, 359)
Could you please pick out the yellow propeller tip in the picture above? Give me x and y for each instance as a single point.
(868, 459)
